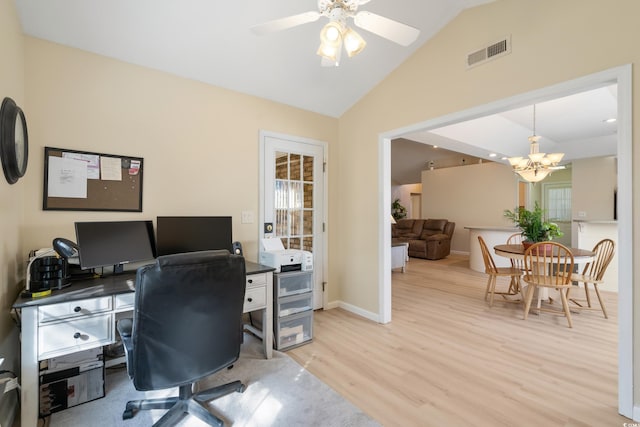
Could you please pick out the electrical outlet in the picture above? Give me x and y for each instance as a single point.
(582, 214)
(247, 217)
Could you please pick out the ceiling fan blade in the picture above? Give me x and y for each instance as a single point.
(286, 23)
(395, 31)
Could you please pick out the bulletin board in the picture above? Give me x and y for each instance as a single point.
(86, 181)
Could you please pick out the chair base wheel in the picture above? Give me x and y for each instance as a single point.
(127, 414)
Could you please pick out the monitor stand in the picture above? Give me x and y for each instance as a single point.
(118, 269)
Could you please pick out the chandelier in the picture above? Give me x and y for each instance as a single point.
(537, 165)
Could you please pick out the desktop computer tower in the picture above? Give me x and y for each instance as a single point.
(71, 380)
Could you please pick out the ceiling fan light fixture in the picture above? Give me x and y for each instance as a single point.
(353, 42)
(329, 51)
(331, 34)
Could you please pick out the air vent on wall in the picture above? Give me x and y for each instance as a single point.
(492, 51)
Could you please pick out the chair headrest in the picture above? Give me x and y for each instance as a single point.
(191, 257)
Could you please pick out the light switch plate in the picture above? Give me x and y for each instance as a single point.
(247, 217)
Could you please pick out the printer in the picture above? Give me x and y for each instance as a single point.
(283, 260)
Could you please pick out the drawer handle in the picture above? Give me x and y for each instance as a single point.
(77, 335)
(77, 309)
(250, 299)
(249, 280)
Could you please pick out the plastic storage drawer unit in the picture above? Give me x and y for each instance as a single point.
(293, 283)
(294, 330)
(293, 304)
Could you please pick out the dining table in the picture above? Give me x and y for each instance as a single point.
(516, 252)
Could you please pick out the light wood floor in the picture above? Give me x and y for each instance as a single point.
(447, 359)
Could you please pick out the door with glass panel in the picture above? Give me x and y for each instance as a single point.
(557, 204)
(293, 199)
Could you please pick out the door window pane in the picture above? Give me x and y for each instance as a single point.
(308, 168)
(282, 163)
(294, 200)
(294, 167)
(308, 196)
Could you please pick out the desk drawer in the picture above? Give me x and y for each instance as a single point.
(74, 335)
(65, 310)
(125, 301)
(255, 280)
(254, 299)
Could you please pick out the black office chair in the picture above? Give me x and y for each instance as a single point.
(186, 326)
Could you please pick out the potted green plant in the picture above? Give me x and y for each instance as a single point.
(533, 225)
(397, 210)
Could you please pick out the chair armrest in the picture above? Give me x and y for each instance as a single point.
(437, 237)
(125, 326)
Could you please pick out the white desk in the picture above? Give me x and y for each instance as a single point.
(83, 316)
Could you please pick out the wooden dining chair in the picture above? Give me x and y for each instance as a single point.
(516, 239)
(593, 273)
(548, 265)
(495, 272)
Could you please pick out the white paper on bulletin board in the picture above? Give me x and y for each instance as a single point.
(110, 168)
(67, 178)
(93, 163)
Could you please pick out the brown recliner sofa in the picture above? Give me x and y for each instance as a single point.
(427, 238)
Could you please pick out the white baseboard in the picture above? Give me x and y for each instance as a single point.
(353, 309)
(460, 252)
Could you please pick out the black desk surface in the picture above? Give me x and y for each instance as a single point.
(105, 286)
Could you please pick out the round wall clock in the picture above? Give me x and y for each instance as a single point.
(14, 142)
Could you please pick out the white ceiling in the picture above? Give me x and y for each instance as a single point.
(575, 125)
(210, 41)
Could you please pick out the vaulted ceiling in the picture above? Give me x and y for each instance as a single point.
(211, 41)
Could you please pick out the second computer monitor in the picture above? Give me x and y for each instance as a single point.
(179, 234)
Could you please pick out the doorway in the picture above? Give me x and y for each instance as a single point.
(622, 76)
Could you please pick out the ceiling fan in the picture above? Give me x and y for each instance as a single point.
(337, 33)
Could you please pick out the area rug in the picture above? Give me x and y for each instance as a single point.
(279, 393)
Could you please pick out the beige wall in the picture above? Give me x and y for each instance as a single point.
(471, 196)
(11, 196)
(594, 182)
(434, 82)
(199, 143)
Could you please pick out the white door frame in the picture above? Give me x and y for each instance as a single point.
(324, 268)
(621, 75)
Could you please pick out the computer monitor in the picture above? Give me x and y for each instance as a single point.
(179, 234)
(114, 243)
